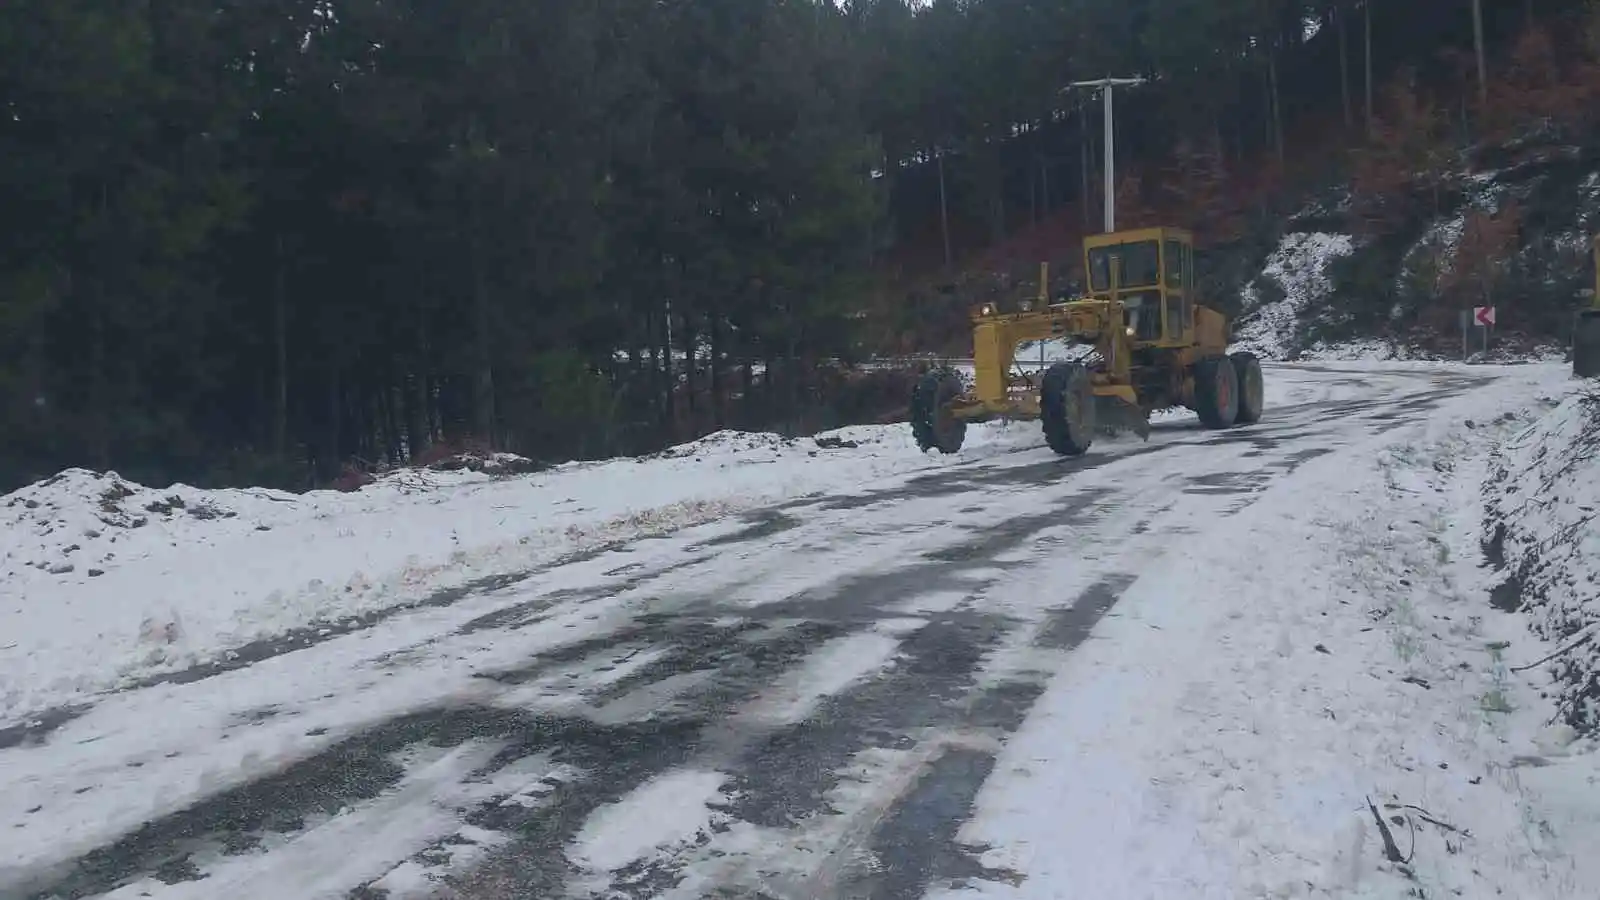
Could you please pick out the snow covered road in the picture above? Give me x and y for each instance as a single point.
(1009, 676)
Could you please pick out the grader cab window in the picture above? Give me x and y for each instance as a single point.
(1175, 267)
(1140, 266)
(1176, 257)
(1141, 311)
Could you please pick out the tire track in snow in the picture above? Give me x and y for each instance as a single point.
(878, 678)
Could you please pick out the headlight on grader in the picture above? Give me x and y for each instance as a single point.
(986, 310)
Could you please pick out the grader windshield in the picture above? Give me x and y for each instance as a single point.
(1151, 272)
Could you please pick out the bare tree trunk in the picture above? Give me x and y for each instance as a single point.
(99, 387)
(99, 393)
(1044, 183)
(747, 396)
(997, 201)
(691, 368)
(944, 213)
(483, 413)
(280, 339)
(714, 340)
(669, 375)
(335, 436)
(1033, 195)
(1366, 8)
(389, 419)
(1344, 67)
(410, 418)
(426, 420)
(1477, 46)
(1277, 110)
(793, 367)
(419, 418)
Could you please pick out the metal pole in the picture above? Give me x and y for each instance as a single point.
(1477, 43)
(1109, 164)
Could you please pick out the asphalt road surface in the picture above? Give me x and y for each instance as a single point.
(803, 703)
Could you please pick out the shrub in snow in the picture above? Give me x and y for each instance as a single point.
(1544, 529)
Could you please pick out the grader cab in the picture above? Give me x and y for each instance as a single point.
(1145, 343)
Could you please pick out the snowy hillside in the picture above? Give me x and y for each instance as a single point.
(1298, 270)
(1510, 228)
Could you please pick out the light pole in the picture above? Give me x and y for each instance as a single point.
(1106, 85)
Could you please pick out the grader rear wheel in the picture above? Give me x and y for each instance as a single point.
(931, 422)
(1252, 390)
(1216, 392)
(1066, 404)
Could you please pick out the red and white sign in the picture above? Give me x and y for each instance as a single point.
(1483, 315)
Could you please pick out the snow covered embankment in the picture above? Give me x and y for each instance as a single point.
(104, 581)
(1544, 528)
(1299, 267)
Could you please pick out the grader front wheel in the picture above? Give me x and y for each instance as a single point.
(1066, 404)
(931, 422)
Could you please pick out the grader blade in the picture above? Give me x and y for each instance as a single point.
(1114, 415)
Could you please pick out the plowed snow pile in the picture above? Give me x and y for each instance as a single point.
(105, 581)
(1544, 522)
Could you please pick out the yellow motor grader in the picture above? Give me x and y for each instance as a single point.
(1148, 345)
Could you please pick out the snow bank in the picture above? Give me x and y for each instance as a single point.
(104, 581)
(1544, 526)
(1300, 268)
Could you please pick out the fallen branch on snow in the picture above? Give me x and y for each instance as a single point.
(1428, 817)
(1391, 850)
(1593, 631)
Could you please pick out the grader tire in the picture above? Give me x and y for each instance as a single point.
(1586, 345)
(1066, 405)
(931, 422)
(1252, 389)
(1216, 392)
